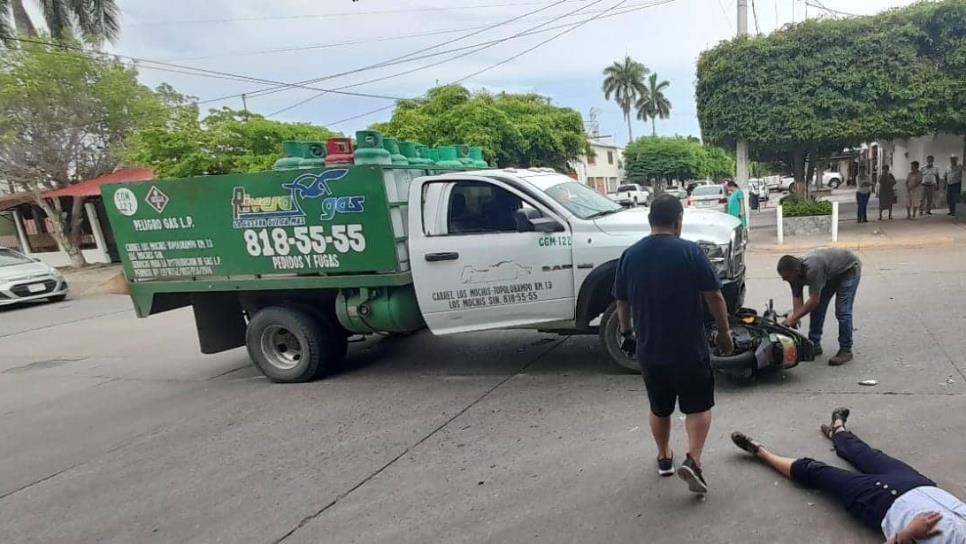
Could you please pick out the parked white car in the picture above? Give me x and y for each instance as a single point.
(708, 196)
(632, 194)
(23, 279)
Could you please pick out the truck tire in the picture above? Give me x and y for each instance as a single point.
(290, 345)
(610, 339)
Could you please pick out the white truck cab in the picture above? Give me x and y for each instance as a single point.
(535, 249)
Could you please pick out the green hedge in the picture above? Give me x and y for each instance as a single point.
(806, 208)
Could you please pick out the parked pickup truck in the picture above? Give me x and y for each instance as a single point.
(291, 264)
(632, 194)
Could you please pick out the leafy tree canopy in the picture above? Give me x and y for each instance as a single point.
(514, 129)
(666, 159)
(226, 141)
(820, 86)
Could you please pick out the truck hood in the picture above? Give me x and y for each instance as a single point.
(699, 225)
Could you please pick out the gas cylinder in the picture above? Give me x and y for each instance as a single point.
(369, 148)
(423, 152)
(338, 151)
(314, 155)
(448, 157)
(408, 150)
(392, 146)
(433, 154)
(476, 153)
(463, 153)
(295, 152)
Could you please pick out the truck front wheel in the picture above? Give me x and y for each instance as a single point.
(290, 345)
(610, 339)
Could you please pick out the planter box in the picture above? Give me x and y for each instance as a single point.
(816, 224)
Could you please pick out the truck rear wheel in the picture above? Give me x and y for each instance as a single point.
(290, 345)
(610, 339)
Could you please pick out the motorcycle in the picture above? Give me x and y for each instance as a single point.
(761, 344)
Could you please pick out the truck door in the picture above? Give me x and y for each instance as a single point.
(485, 255)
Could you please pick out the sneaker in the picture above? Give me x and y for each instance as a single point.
(691, 473)
(840, 358)
(745, 442)
(665, 466)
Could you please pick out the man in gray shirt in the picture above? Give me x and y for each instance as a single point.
(827, 273)
(930, 182)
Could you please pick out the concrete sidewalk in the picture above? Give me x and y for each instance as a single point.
(930, 231)
(96, 279)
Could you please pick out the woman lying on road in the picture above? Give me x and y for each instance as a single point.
(885, 494)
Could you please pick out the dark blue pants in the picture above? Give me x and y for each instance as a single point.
(863, 200)
(867, 494)
(844, 291)
(952, 195)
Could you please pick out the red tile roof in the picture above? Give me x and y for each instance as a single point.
(92, 187)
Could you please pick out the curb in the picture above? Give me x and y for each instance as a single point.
(912, 243)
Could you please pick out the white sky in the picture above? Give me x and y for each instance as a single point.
(667, 38)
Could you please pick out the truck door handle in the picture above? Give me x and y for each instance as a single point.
(444, 256)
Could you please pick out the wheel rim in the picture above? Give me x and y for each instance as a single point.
(281, 347)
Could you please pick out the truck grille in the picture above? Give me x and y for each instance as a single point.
(22, 290)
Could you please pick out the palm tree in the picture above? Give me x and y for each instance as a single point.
(94, 20)
(653, 104)
(625, 82)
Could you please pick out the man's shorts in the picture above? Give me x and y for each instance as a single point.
(692, 387)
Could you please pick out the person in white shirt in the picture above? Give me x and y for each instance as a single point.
(930, 182)
(886, 494)
(954, 183)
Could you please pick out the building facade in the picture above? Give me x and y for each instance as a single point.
(604, 170)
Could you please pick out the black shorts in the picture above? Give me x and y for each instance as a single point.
(691, 386)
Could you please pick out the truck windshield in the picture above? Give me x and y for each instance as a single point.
(582, 201)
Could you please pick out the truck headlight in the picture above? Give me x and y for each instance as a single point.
(720, 257)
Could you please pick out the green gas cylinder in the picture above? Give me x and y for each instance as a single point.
(392, 146)
(295, 152)
(432, 154)
(408, 150)
(476, 153)
(369, 148)
(422, 151)
(448, 157)
(314, 155)
(463, 153)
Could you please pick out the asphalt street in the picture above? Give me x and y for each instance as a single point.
(115, 429)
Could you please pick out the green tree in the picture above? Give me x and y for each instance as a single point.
(624, 80)
(657, 160)
(513, 129)
(815, 88)
(66, 116)
(653, 104)
(226, 141)
(717, 164)
(94, 20)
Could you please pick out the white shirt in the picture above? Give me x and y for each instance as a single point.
(928, 499)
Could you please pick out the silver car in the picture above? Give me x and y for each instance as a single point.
(23, 279)
(709, 196)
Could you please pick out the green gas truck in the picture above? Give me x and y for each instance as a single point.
(373, 236)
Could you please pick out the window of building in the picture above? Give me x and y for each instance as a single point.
(610, 157)
(592, 160)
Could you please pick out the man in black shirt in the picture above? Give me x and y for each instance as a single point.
(827, 273)
(664, 281)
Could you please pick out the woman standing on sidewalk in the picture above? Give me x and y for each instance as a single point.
(863, 194)
(913, 191)
(887, 192)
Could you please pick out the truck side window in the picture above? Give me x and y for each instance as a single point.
(480, 208)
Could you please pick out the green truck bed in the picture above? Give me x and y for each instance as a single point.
(301, 229)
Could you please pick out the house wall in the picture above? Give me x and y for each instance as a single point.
(605, 171)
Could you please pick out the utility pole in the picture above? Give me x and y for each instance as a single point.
(741, 151)
(244, 102)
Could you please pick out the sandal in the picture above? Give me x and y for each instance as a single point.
(840, 415)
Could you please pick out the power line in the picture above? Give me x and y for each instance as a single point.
(603, 14)
(406, 72)
(339, 14)
(754, 11)
(599, 16)
(189, 70)
(727, 17)
(833, 12)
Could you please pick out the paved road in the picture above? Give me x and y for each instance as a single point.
(114, 429)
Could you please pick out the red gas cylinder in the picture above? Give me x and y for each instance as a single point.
(340, 151)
